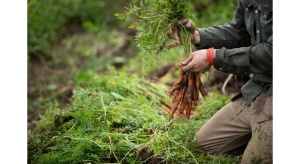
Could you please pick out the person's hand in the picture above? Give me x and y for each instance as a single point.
(196, 62)
(189, 26)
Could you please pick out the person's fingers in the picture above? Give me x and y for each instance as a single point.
(174, 45)
(174, 35)
(185, 64)
(186, 68)
(183, 21)
(169, 34)
(188, 24)
(187, 60)
(174, 25)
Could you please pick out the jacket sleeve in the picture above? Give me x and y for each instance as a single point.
(237, 55)
(230, 35)
(255, 60)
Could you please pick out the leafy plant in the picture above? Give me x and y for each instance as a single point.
(153, 19)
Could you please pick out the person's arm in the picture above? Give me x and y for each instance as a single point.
(230, 35)
(246, 60)
(235, 53)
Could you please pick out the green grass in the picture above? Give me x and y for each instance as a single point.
(107, 121)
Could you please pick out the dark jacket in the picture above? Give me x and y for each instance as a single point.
(245, 46)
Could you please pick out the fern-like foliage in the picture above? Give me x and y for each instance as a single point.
(152, 19)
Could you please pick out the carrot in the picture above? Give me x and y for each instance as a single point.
(176, 101)
(188, 113)
(185, 93)
(190, 89)
(165, 108)
(180, 78)
(184, 102)
(196, 92)
(173, 89)
(201, 88)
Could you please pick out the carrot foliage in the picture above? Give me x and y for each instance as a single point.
(152, 19)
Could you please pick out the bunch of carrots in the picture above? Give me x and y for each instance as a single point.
(184, 93)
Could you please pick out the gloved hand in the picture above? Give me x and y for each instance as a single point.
(196, 62)
(189, 25)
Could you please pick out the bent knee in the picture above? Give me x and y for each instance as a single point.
(199, 139)
(203, 143)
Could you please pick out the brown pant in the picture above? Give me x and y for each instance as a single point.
(237, 128)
